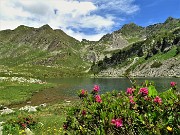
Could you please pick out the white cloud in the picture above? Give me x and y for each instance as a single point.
(121, 6)
(97, 21)
(80, 35)
(70, 14)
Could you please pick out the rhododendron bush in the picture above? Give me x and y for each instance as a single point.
(139, 110)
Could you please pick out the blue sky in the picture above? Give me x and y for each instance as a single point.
(85, 19)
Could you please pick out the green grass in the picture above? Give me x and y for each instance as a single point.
(133, 39)
(52, 118)
(141, 60)
(26, 61)
(165, 56)
(14, 92)
(18, 57)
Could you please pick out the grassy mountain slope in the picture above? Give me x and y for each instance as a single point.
(41, 51)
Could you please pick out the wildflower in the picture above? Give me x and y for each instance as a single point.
(83, 92)
(65, 126)
(22, 131)
(113, 121)
(173, 84)
(23, 125)
(60, 130)
(169, 128)
(130, 91)
(83, 112)
(143, 91)
(98, 98)
(96, 88)
(132, 101)
(28, 131)
(81, 128)
(158, 100)
(117, 122)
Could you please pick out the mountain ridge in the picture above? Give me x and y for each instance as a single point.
(53, 51)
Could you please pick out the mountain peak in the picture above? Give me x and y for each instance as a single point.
(130, 29)
(22, 27)
(131, 25)
(46, 26)
(170, 18)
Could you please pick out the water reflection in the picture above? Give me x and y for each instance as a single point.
(107, 84)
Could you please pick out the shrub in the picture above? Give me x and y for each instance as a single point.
(156, 64)
(140, 110)
(17, 124)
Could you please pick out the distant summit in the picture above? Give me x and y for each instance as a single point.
(46, 27)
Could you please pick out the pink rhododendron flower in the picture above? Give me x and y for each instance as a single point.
(158, 100)
(130, 91)
(132, 101)
(83, 112)
(24, 125)
(117, 122)
(143, 91)
(96, 88)
(113, 121)
(65, 126)
(83, 91)
(173, 84)
(98, 98)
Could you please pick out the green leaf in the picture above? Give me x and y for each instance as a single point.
(152, 92)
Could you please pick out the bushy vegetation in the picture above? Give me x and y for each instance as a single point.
(156, 64)
(45, 121)
(17, 125)
(139, 110)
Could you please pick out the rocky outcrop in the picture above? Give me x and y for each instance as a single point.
(170, 67)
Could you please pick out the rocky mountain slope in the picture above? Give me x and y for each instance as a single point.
(157, 55)
(133, 50)
(128, 34)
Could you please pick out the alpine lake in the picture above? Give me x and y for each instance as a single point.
(67, 88)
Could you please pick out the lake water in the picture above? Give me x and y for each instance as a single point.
(71, 85)
(68, 87)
